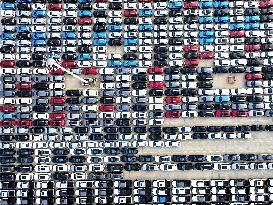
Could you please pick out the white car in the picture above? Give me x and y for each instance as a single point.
(266, 26)
(129, 49)
(161, 12)
(100, 5)
(176, 56)
(145, 49)
(236, 12)
(189, 34)
(221, 62)
(144, 5)
(175, 20)
(54, 86)
(145, 20)
(221, 55)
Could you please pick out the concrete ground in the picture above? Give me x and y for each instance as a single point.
(72, 83)
(220, 81)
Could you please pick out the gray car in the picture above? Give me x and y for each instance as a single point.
(89, 115)
(239, 106)
(107, 93)
(174, 84)
(89, 100)
(123, 71)
(139, 100)
(172, 77)
(122, 107)
(173, 107)
(123, 93)
(42, 93)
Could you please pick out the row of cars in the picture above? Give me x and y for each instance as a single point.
(215, 191)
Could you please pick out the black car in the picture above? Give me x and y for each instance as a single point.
(40, 108)
(252, 40)
(54, 42)
(155, 92)
(23, 6)
(69, 56)
(100, 13)
(139, 107)
(190, 55)
(99, 27)
(250, 12)
(8, 21)
(140, 129)
(185, 166)
(107, 100)
(85, 6)
(175, 13)
(189, 92)
(37, 56)
(221, 69)
(236, 55)
(38, 64)
(59, 151)
(115, 42)
(133, 21)
(254, 62)
(190, 19)
(160, 49)
(7, 49)
(84, 49)
(25, 152)
(139, 85)
(236, 69)
(73, 92)
(40, 122)
(171, 70)
(22, 64)
(115, 6)
(161, 56)
(205, 106)
(265, 11)
(41, 86)
(204, 77)
(129, 56)
(267, 47)
(72, 100)
(187, 70)
(132, 167)
(70, 21)
(160, 63)
(175, 41)
(160, 20)
(172, 92)
(221, 12)
(23, 36)
(122, 122)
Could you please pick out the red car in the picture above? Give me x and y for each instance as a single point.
(57, 72)
(173, 100)
(105, 108)
(253, 47)
(191, 63)
(23, 123)
(7, 64)
(155, 85)
(85, 20)
(130, 13)
(54, 123)
(155, 70)
(266, 4)
(254, 76)
(8, 123)
(173, 114)
(223, 113)
(55, 7)
(233, 34)
(239, 113)
(190, 5)
(90, 71)
(7, 108)
(24, 86)
(190, 48)
(69, 64)
(206, 55)
(59, 101)
(57, 116)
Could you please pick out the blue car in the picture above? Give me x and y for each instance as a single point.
(238, 26)
(222, 98)
(205, 34)
(252, 18)
(205, 5)
(38, 35)
(24, 1)
(252, 26)
(54, 55)
(21, 29)
(206, 41)
(130, 64)
(99, 42)
(84, 1)
(205, 19)
(222, 19)
(175, 4)
(69, 35)
(38, 14)
(221, 4)
(84, 13)
(6, 116)
(38, 43)
(114, 28)
(114, 63)
(99, 35)
(84, 57)
(145, 12)
(8, 6)
(8, 36)
(145, 27)
(130, 42)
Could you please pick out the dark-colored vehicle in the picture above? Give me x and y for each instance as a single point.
(115, 42)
